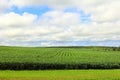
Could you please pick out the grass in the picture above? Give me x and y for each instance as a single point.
(61, 75)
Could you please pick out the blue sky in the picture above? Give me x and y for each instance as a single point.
(59, 23)
(33, 10)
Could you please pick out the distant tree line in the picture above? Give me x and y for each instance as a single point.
(91, 47)
(106, 48)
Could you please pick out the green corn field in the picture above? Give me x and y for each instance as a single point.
(59, 57)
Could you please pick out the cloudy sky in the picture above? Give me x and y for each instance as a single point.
(60, 22)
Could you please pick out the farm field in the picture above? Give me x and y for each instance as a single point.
(20, 58)
(61, 75)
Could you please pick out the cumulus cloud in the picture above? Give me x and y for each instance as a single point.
(53, 3)
(101, 10)
(107, 12)
(57, 27)
(5, 4)
(15, 20)
(60, 18)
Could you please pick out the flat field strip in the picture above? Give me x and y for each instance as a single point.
(61, 75)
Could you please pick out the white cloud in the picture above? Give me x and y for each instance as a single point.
(15, 20)
(15, 26)
(57, 25)
(101, 10)
(61, 19)
(107, 12)
(53, 3)
(5, 4)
